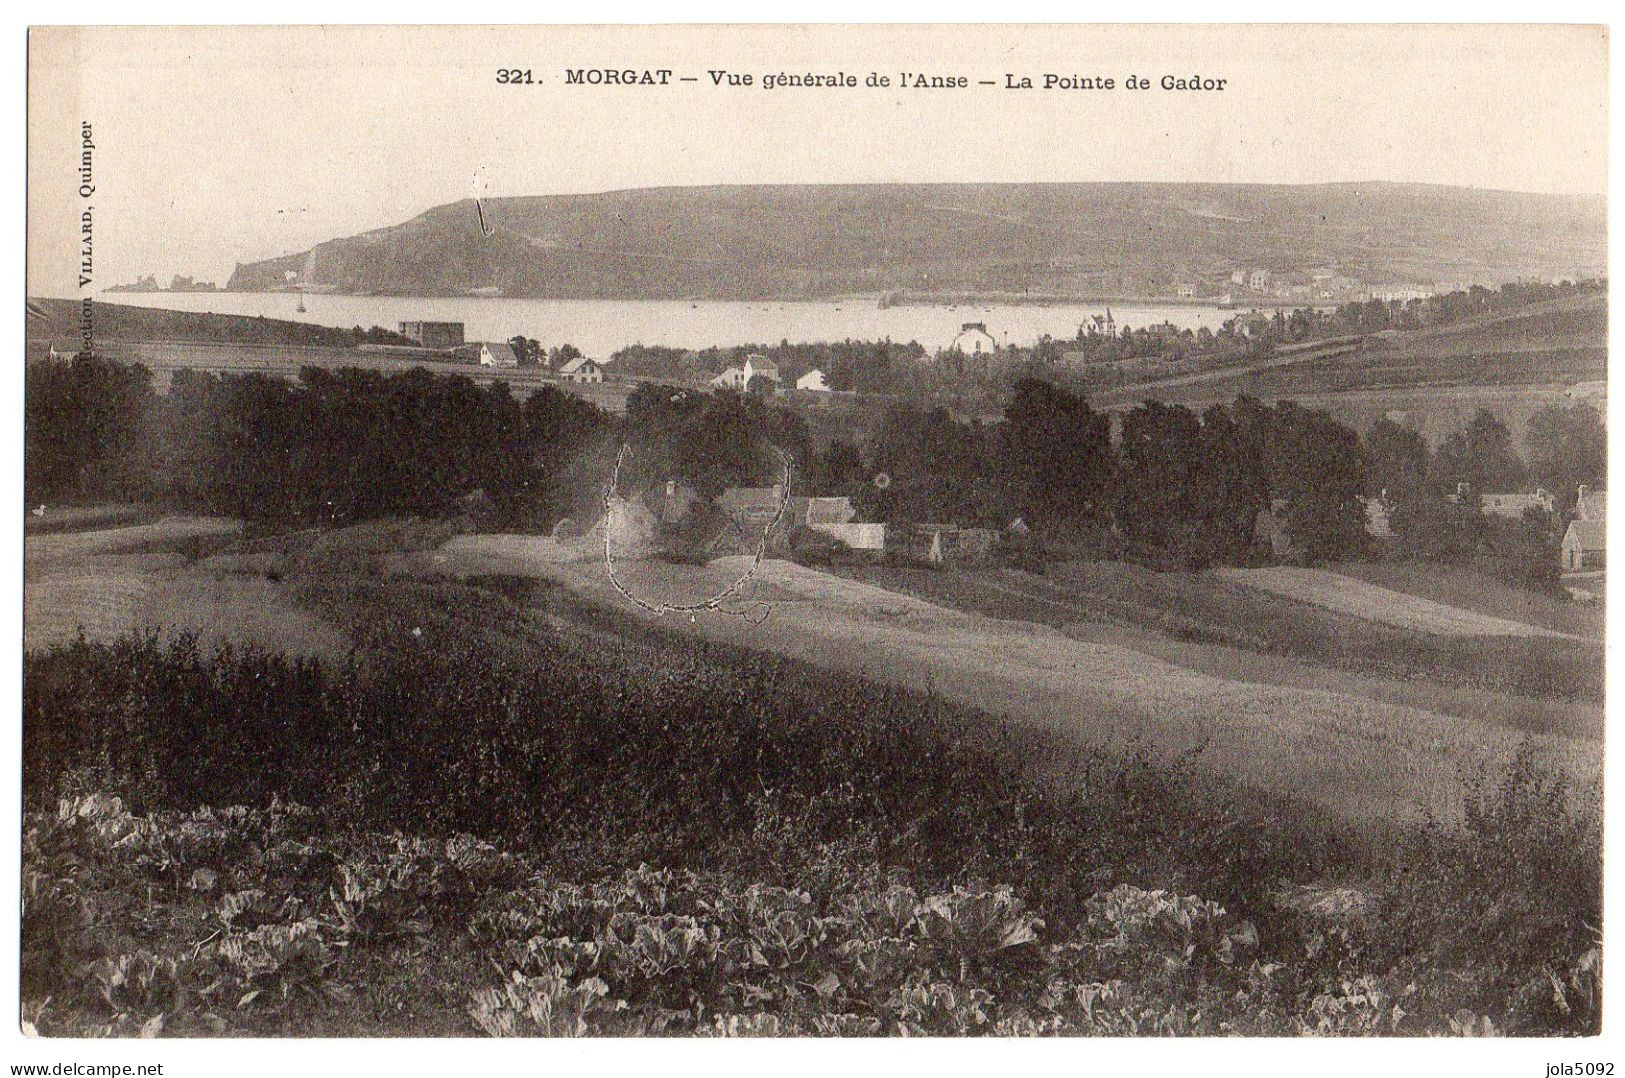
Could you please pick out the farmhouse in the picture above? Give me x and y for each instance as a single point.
(813, 381)
(1514, 505)
(444, 335)
(811, 512)
(1377, 524)
(677, 503)
(1100, 325)
(497, 354)
(833, 517)
(1255, 325)
(739, 377)
(1584, 546)
(751, 506)
(974, 340)
(582, 370)
(936, 544)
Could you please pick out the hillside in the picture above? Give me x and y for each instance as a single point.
(57, 321)
(747, 242)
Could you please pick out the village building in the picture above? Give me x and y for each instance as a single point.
(1100, 325)
(937, 544)
(440, 335)
(1513, 506)
(833, 517)
(1400, 293)
(497, 354)
(582, 370)
(1377, 522)
(739, 377)
(1250, 326)
(676, 503)
(1258, 280)
(751, 506)
(974, 340)
(1269, 529)
(813, 381)
(1584, 546)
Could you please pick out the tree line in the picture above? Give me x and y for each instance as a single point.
(331, 446)
(1164, 484)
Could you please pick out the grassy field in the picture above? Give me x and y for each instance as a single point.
(555, 819)
(1431, 380)
(1362, 599)
(1359, 744)
(106, 582)
(1480, 592)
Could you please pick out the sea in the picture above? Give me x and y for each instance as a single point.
(601, 327)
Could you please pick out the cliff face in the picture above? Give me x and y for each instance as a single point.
(810, 241)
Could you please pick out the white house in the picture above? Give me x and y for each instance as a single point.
(1584, 546)
(974, 340)
(581, 369)
(739, 377)
(813, 380)
(497, 354)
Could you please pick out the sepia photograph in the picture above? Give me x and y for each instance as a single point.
(813, 531)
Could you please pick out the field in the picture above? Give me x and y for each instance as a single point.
(1371, 602)
(1354, 741)
(107, 582)
(442, 834)
(1431, 380)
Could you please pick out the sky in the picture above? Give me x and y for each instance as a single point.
(219, 145)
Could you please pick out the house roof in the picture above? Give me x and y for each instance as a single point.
(576, 364)
(1594, 506)
(1587, 534)
(750, 499)
(501, 351)
(822, 510)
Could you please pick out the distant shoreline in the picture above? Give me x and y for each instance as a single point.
(879, 299)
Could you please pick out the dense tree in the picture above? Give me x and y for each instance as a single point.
(1567, 447)
(88, 432)
(1232, 486)
(713, 440)
(1481, 455)
(1396, 460)
(1315, 463)
(1157, 504)
(939, 469)
(1057, 454)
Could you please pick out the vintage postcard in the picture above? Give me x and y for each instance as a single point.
(814, 531)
